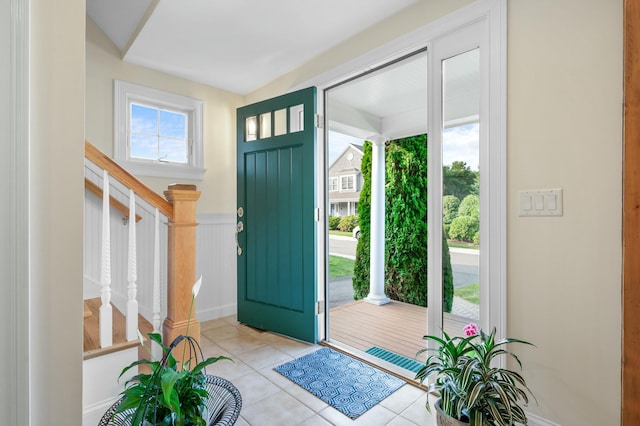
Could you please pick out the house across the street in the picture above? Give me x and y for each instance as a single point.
(345, 182)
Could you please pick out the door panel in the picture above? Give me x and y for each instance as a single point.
(276, 190)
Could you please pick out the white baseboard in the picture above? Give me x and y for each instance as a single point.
(92, 414)
(217, 312)
(539, 421)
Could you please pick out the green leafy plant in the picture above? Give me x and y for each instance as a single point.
(347, 223)
(334, 221)
(470, 387)
(172, 393)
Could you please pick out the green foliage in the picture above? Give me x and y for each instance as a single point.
(171, 394)
(363, 250)
(334, 221)
(470, 388)
(406, 220)
(459, 180)
(447, 276)
(450, 204)
(347, 223)
(464, 228)
(470, 206)
(405, 226)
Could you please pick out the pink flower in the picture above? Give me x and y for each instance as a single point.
(471, 329)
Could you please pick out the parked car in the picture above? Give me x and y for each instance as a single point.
(356, 232)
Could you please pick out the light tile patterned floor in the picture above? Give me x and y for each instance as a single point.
(270, 399)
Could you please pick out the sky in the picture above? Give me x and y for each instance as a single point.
(459, 144)
(158, 134)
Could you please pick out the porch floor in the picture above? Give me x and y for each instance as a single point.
(396, 326)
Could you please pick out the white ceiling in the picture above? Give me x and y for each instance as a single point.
(236, 45)
(241, 45)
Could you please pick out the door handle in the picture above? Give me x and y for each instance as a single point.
(239, 229)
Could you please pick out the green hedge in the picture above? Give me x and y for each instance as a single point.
(405, 226)
(347, 223)
(334, 221)
(361, 268)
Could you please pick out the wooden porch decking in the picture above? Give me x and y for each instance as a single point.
(396, 326)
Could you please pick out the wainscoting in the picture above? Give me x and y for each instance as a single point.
(215, 260)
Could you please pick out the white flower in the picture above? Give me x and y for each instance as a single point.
(140, 337)
(196, 287)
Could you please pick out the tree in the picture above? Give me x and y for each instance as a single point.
(459, 180)
(406, 220)
(405, 226)
(361, 268)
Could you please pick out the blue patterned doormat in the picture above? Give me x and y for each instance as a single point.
(394, 358)
(350, 386)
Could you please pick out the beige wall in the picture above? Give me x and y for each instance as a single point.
(56, 105)
(564, 130)
(104, 65)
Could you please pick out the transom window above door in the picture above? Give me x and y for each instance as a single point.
(158, 133)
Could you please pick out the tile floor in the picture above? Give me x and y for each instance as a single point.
(270, 399)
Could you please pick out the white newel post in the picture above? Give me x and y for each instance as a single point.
(132, 273)
(106, 312)
(156, 350)
(376, 294)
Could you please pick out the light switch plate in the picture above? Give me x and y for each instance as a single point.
(540, 202)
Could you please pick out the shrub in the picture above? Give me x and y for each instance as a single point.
(464, 228)
(405, 227)
(406, 220)
(361, 268)
(470, 206)
(347, 223)
(333, 222)
(450, 204)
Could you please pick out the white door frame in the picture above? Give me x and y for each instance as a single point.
(492, 17)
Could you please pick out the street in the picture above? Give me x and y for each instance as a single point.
(464, 262)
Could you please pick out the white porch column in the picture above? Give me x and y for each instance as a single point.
(376, 281)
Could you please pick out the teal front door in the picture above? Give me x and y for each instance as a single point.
(276, 228)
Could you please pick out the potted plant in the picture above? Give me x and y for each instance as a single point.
(473, 390)
(171, 393)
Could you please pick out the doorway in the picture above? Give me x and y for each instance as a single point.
(382, 115)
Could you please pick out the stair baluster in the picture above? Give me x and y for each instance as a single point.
(132, 273)
(156, 350)
(106, 311)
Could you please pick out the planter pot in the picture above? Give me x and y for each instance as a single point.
(444, 420)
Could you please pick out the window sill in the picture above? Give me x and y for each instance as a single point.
(164, 170)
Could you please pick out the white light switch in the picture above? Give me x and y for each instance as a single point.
(540, 202)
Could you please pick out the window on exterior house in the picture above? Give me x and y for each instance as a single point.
(333, 184)
(158, 133)
(347, 183)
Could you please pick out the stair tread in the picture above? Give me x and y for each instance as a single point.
(92, 330)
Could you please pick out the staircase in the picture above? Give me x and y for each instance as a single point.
(135, 277)
(92, 347)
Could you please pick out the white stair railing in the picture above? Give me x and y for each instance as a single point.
(156, 350)
(132, 273)
(106, 311)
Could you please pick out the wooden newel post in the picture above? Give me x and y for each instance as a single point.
(181, 270)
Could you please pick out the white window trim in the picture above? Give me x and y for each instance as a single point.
(125, 93)
(354, 183)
